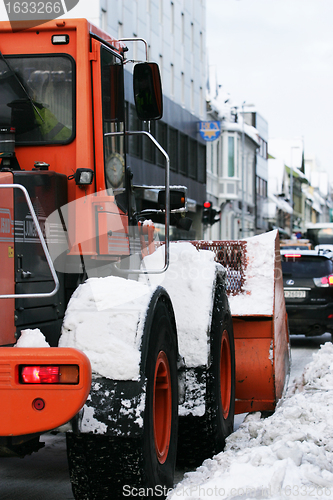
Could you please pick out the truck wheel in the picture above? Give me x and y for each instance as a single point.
(103, 467)
(221, 388)
(161, 413)
(218, 421)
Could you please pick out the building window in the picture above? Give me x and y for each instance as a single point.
(161, 66)
(162, 138)
(135, 48)
(212, 157)
(104, 20)
(161, 11)
(134, 141)
(201, 163)
(183, 154)
(261, 187)
(192, 159)
(183, 88)
(172, 77)
(183, 28)
(173, 149)
(231, 156)
(263, 148)
(120, 29)
(149, 149)
(217, 157)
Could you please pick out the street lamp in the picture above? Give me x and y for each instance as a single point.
(243, 169)
(292, 190)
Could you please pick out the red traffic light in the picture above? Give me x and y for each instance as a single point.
(208, 204)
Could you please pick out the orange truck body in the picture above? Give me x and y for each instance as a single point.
(62, 402)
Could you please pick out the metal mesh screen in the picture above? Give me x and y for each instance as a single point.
(232, 255)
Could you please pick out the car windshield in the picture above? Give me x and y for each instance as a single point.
(37, 98)
(306, 267)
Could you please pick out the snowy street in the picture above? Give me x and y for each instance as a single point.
(289, 455)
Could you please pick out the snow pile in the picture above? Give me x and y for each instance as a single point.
(32, 338)
(259, 285)
(288, 455)
(105, 316)
(104, 319)
(189, 280)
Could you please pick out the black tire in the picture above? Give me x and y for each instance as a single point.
(221, 380)
(218, 422)
(103, 467)
(161, 423)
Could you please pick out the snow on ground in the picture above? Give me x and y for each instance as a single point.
(288, 455)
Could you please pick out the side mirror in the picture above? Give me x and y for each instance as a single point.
(178, 199)
(147, 89)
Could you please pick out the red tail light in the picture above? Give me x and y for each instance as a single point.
(61, 374)
(292, 255)
(325, 281)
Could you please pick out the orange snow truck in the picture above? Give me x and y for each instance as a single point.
(129, 341)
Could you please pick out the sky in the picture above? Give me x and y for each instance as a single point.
(278, 55)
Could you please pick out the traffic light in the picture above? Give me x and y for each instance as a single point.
(209, 213)
(206, 213)
(214, 216)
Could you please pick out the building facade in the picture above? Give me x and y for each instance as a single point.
(261, 169)
(176, 36)
(231, 172)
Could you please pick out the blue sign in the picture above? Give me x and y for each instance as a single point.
(210, 131)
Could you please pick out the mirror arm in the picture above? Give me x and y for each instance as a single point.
(136, 40)
(167, 196)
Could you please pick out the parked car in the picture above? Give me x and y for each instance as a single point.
(308, 291)
(301, 244)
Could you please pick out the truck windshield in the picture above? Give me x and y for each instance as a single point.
(37, 98)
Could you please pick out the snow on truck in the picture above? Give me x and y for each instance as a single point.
(81, 269)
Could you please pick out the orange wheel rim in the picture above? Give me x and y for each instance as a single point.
(162, 407)
(225, 374)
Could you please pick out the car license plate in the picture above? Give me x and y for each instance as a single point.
(295, 294)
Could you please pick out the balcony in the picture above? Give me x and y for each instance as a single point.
(228, 188)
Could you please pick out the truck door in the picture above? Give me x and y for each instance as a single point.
(108, 96)
(108, 92)
(7, 306)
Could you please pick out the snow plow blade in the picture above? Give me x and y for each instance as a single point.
(255, 292)
(41, 388)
